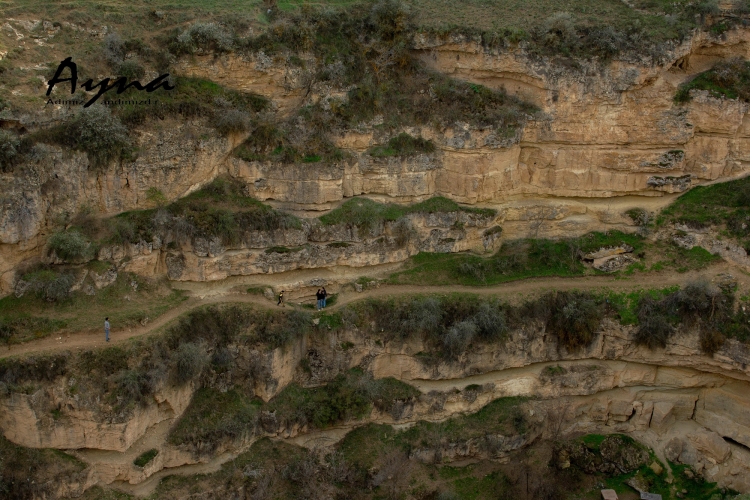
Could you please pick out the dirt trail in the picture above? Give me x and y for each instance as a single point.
(514, 290)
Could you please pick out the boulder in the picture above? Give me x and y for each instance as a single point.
(673, 449)
(613, 263)
(105, 279)
(603, 253)
(710, 444)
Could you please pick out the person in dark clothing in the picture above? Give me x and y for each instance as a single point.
(319, 298)
(323, 295)
(106, 329)
(281, 298)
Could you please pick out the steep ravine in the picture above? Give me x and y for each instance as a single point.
(671, 399)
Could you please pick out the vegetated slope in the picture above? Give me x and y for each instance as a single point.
(204, 349)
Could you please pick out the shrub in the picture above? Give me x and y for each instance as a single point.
(232, 121)
(100, 135)
(458, 337)
(573, 317)
(42, 367)
(104, 362)
(214, 416)
(639, 216)
(58, 288)
(49, 285)
(490, 321)
(113, 49)
(188, 362)
(286, 328)
(654, 327)
(204, 37)
(9, 148)
(131, 70)
(130, 387)
(222, 359)
(70, 245)
(95, 131)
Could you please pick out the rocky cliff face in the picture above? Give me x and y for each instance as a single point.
(609, 138)
(688, 406)
(312, 246)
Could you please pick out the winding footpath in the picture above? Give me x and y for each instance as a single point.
(514, 290)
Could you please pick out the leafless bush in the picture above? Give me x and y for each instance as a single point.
(262, 490)
(458, 338)
(339, 470)
(232, 121)
(490, 321)
(188, 361)
(304, 474)
(557, 415)
(403, 232)
(204, 37)
(393, 475)
(113, 49)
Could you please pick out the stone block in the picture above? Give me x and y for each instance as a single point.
(662, 416)
(609, 495)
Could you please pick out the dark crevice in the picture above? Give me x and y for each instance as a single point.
(732, 441)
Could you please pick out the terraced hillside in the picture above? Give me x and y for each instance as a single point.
(531, 220)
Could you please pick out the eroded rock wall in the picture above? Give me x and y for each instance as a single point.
(609, 137)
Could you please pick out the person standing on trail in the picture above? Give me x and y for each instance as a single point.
(319, 298)
(281, 298)
(323, 295)
(106, 328)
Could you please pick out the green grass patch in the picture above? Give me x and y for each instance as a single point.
(331, 321)
(219, 209)
(403, 145)
(626, 304)
(145, 457)
(502, 415)
(213, 416)
(366, 214)
(696, 487)
(728, 79)
(191, 97)
(449, 472)
(593, 441)
(348, 396)
(514, 261)
(475, 488)
(703, 206)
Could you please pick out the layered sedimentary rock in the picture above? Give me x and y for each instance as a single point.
(312, 246)
(608, 137)
(658, 396)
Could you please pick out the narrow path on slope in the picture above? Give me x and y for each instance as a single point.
(513, 290)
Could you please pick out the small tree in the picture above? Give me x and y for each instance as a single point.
(70, 245)
(100, 134)
(9, 146)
